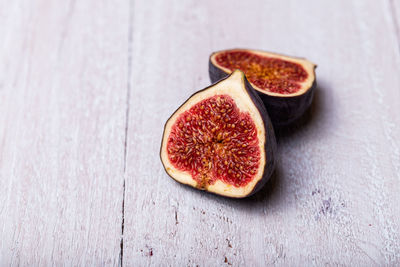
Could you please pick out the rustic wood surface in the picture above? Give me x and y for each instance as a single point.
(86, 86)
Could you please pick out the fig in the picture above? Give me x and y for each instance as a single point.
(285, 84)
(221, 140)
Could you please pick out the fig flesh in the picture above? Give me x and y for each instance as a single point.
(221, 140)
(285, 84)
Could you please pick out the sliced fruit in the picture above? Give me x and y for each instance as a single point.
(285, 84)
(221, 140)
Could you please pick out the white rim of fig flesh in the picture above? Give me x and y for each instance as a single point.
(308, 66)
(234, 86)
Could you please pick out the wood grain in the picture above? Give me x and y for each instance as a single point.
(332, 200)
(63, 89)
(393, 8)
(86, 87)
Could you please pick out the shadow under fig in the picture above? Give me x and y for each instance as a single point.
(268, 192)
(307, 120)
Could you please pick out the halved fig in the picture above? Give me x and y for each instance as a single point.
(285, 84)
(221, 140)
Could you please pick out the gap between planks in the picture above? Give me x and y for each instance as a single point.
(395, 21)
(128, 94)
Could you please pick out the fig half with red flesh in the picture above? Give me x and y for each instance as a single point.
(221, 140)
(285, 84)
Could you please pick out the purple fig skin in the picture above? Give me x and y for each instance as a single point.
(270, 146)
(283, 111)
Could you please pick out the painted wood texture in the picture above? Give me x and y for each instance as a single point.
(62, 122)
(86, 86)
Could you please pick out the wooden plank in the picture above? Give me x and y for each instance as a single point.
(393, 15)
(333, 198)
(63, 76)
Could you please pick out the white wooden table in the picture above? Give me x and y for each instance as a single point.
(86, 86)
